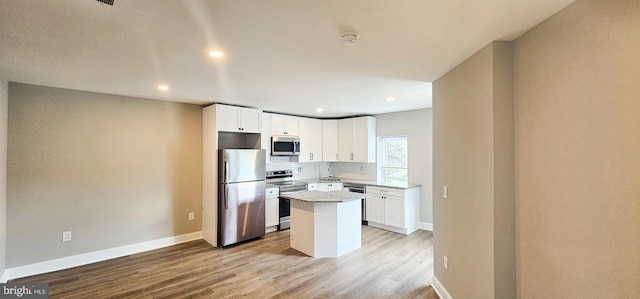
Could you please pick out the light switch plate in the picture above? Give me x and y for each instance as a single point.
(66, 236)
(445, 192)
(445, 263)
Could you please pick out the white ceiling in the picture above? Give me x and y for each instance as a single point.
(280, 55)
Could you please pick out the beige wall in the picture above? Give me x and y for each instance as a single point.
(4, 102)
(473, 156)
(577, 91)
(416, 125)
(113, 170)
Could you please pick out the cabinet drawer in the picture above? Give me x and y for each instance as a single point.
(272, 192)
(385, 191)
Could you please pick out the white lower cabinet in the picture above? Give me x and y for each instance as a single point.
(326, 187)
(375, 208)
(312, 186)
(271, 217)
(396, 210)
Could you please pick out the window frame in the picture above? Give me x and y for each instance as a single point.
(382, 168)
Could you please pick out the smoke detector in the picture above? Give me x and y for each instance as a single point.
(349, 38)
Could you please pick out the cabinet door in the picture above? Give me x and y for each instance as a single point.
(250, 120)
(227, 118)
(364, 139)
(284, 125)
(291, 125)
(336, 187)
(329, 140)
(395, 212)
(345, 140)
(277, 124)
(265, 135)
(326, 187)
(310, 130)
(375, 208)
(312, 187)
(271, 211)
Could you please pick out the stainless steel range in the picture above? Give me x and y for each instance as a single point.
(283, 179)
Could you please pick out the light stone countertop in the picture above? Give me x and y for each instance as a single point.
(320, 196)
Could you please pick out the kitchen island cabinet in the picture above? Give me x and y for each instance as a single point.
(325, 224)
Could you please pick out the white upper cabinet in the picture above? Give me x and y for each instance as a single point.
(265, 136)
(284, 125)
(329, 140)
(238, 119)
(310, 130)
(357, 139)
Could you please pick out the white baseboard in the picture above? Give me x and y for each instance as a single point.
(426, 226)
(440, 289)
(96, 256)
(3, 277)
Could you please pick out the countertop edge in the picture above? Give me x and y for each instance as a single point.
(324, 197)
(364, 182)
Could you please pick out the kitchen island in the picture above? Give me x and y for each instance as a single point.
(325, 224)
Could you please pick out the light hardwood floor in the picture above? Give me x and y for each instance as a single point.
(388, 265)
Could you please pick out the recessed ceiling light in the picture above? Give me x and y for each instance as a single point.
(390, 99)
(216, 54)
(319, 110)
(163, 87)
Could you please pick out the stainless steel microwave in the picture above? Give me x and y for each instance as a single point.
(285, 146)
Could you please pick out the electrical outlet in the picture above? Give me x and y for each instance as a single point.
(445, 192)
(192, 216)
(66, 236)
(446, 263)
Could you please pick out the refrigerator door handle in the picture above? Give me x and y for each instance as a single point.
(226, 171)
(226, 197)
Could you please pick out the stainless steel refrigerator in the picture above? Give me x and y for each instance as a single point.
(241, 196)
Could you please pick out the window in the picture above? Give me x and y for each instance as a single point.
(392, 159)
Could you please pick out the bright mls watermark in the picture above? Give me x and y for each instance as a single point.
(24, 290)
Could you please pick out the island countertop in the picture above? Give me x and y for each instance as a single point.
(320, 196)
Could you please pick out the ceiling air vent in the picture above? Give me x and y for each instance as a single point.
(107, 2)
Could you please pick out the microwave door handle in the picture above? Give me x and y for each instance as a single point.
(293, 149)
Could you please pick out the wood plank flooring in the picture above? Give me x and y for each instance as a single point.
(388, 265)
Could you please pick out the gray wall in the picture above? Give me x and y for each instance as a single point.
(473, 156)
(113, 170)
(4, 102)
(416, 125)
(576, 162)
(577, 83)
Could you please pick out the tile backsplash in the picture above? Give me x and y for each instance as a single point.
(309, 170)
